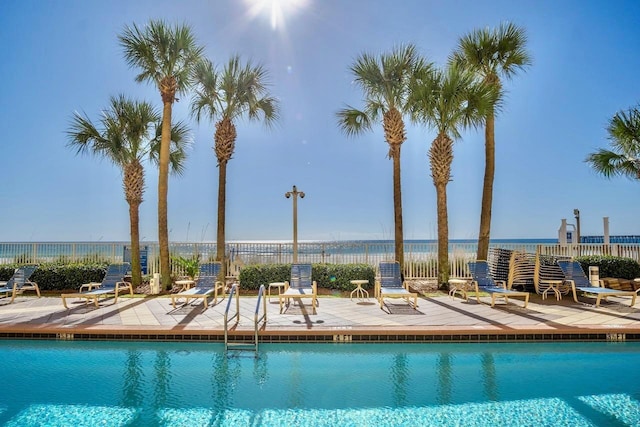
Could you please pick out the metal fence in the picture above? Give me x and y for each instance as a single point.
(420, 258)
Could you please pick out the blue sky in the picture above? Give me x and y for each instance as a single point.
(60, 57)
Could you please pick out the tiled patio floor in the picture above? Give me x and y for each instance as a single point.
(436, 315)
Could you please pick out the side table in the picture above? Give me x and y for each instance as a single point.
(278, 285)
(359, 291)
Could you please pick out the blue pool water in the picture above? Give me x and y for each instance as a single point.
(47, 383)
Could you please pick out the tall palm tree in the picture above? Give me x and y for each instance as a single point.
(624, 156)
(384, 81)
(165, 57)
(447, 101)
(224, 96)
(128, 133)
(491, 54)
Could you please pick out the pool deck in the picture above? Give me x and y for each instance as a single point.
(437, 318)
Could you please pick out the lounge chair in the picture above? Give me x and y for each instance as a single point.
(205, 286)
(19, 282)
(300, 286)
(575, 275)
(484, 282)
(112, 284)
(389, 284)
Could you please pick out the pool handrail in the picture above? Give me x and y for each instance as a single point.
(234, 292)
(257, 319)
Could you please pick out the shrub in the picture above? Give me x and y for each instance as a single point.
(611, 266)
(56, 277)
(330, 276)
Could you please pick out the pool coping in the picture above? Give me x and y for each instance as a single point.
(333, 334)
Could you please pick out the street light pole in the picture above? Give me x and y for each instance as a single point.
(295, 193)
(576, 212)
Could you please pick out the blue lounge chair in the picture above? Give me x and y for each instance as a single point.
(574, 274)
(206, 283)
(483, 282)
(389, 284)
(112, 284)
(300, 286)
(19, 282)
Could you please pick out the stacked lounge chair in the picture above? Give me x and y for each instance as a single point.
(575, 275)
(112, 284)
(19, 282)
(484, 282)
(548, 277)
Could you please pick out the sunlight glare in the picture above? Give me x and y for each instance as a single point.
(278, 10)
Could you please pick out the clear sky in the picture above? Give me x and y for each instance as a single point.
(63, 56)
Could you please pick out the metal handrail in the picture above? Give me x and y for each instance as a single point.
(257, 319)
(227, 319)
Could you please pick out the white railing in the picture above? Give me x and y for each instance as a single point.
(420, 257)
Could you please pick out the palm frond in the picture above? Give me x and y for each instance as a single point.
(238, 90)
(123, 134)
(624, 136)
(353, 122)
(492, 53)
(180, 143)
(160, 51)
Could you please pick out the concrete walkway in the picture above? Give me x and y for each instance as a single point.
(337, 318)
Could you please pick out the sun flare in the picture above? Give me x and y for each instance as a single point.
(277, 10)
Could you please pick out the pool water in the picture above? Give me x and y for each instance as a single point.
(56, 383)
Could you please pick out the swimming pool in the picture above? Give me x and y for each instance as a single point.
(58, 383)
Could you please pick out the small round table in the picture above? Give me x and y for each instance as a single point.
(554, 286)
(459, 285)
(278, 285)
(359, 291)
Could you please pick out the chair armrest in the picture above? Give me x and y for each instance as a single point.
(286, 285)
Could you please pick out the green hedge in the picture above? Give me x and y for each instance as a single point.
(55, 277)
(611, 266)
(329, 276)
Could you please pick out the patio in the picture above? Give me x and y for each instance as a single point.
(438, 318)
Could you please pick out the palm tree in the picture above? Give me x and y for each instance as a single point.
(165, 57)
(491, 54)
(384, 82)
(126, 137)
(447, 101)
(624, 157)
(239, 90)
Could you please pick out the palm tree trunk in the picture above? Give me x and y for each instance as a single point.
(397, 209)
(443, 234)
(441, 158)
(163, 189)
(487, 187)
(134, 221)
(222, 202)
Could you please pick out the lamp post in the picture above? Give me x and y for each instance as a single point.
(576, 212)
(295, 193)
